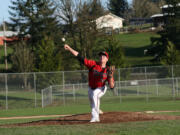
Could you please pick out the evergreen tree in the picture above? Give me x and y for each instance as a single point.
(171, 57)
(118, 7)
(34, 18)
(172, 20)
(116, 54)
(165, 48)
(48, 59)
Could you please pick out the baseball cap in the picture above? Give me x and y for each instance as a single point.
(104, 53)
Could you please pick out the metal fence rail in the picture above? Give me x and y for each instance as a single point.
(144, 89)
(23, 90)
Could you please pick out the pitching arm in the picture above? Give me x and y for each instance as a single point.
(68, 48)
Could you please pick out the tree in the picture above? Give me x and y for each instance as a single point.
(33, 17)
(164, 51)
(22, 57)
(6, 24)
(86, 26)
(36, 19)
(145, 8)
(66, 12)
(48, 59)
(118, 7)
(79, 21)
(172, 20)
(22, 60)
(116, 54)
(165, 48)
(171, 57)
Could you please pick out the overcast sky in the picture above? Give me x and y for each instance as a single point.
(4, 9)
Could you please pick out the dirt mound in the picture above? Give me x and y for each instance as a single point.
(108, 117)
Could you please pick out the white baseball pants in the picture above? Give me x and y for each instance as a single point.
(94, 98)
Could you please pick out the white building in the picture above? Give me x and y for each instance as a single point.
(8, 33)
(109, 21)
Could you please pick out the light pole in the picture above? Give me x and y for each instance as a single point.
(5, 46)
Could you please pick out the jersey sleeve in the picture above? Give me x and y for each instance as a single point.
(89, 63)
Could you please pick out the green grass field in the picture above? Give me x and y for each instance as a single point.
(134, 46)
(130, 128)
(135, 128)
(130, 103)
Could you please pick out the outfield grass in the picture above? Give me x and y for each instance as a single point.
(130, 128)
(115, 105)
(107, 105)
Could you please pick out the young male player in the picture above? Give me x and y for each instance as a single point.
(99, 73)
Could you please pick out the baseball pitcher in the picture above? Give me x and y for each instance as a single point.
(99, 74)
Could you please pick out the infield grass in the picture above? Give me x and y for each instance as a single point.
(131, 106)
(108, 104)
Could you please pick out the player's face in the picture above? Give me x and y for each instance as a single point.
(103, 59)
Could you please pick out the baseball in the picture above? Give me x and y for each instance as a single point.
(63, 39)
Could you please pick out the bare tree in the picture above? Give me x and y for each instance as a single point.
(80, 18)
(66, 12)
(145, 8)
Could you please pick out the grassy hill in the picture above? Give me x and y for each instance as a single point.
(134, 46)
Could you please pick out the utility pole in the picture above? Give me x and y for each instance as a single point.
(5, 46)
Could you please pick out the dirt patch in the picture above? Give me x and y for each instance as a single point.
(108, 117)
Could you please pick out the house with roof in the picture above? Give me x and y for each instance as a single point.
(162, 18)
(7, 36)
(109, 22)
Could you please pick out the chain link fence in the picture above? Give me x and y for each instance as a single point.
(25, 90)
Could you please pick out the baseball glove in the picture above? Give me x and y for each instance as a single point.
(110, 71)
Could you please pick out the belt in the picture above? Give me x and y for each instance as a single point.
(97, 87)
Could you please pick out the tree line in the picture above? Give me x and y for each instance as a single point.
(42, 23)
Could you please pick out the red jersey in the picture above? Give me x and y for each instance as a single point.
(97, 74)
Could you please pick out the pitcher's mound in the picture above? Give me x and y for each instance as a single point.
(108, 117)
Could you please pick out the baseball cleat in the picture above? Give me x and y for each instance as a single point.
(101, 112)
(94, 120)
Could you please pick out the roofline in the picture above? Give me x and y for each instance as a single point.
(167, 6)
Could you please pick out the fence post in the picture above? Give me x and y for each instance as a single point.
(157, 87)
(42, 98)
(119, 84)
(145, 70)
(177, 89)
(74, 96)
(63, 79)
(51, 94)
(137, 89)
(64, 102)
(6, 88)
(173, 87)
(35, 90)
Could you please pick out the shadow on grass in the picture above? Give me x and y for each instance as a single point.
(135, 52)
(14, 98)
